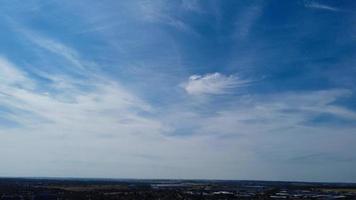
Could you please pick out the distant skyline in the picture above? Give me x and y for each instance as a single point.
(182, 89)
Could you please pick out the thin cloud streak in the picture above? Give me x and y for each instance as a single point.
(70, 107)
(316, 5)
(214, 83)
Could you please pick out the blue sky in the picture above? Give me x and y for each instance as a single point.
(260, 90)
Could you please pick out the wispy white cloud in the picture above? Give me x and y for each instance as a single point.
(215, 83)
(66, 101)
(57, 48)
(100, 100)
(316, 5)
(53, 46)
(282, 111)
(268, 114)
(159, 12)
(10, 75)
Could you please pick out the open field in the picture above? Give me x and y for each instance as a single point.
(116, 189)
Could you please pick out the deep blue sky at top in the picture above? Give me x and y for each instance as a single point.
(292, 46)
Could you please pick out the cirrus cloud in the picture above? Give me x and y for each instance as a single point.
(213, 84)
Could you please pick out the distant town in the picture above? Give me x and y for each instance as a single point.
(122, 189)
